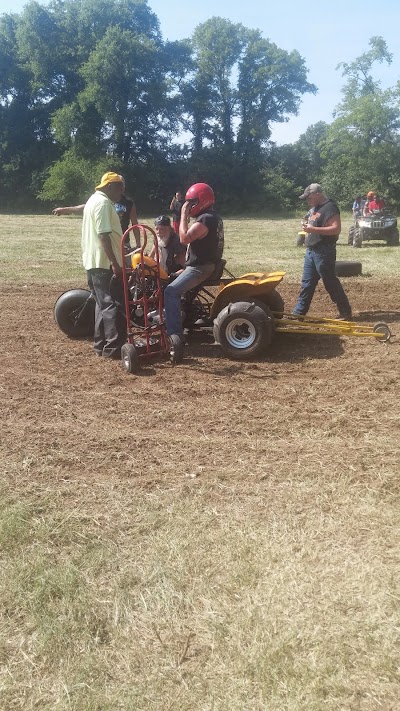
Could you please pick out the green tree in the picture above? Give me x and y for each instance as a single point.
(270, 86)
(362, 145)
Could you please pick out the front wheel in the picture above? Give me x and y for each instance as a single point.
(74, 313)
(358, 237)
(130, 358)
(393, 239)
(243, 330)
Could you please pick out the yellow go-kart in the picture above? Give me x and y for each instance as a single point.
(243, 312)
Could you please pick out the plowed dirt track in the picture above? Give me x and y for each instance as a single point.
(209, 416)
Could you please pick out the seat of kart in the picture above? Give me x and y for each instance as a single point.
(215, 278)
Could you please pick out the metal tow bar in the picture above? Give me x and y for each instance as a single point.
(287, 323)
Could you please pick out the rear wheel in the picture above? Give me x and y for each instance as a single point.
(130, 358)
(243, 330)
(275, 302)
(74, 313)
(350, 238)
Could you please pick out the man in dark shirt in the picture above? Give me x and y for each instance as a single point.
(323, 228)
(176, 208)
(205, 238)
(126, 211)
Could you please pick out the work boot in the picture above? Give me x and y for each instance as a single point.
(344, 317)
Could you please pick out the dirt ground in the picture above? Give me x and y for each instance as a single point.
(67, 414)
(169, 536)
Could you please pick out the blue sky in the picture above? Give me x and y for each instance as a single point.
(324, 34)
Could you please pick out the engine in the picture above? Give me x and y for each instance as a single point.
(143, 285)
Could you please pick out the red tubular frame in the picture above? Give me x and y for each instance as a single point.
(150, 330)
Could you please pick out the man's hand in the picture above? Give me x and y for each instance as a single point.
(117, 270)
(58, 211)
(185, 209)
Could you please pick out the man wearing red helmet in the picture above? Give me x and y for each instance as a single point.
(205, 241)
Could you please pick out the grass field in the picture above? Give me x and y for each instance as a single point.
(44, 249)
(218, 536)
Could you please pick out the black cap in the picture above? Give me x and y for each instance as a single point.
(163, 220)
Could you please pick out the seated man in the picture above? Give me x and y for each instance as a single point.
(366, 208)
(376, 203)
(205, 238)
(357, 207)
(171, 252)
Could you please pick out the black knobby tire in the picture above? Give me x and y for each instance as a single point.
(74, 313)
(358, 237)
(243, 330)
(176, 349)
(130, 358)
(347, 269)
(350, 238)
(275, 302)
(270, 318)
(393, 239)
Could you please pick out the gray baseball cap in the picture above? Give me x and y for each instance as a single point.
(162, 220)
(313, 188)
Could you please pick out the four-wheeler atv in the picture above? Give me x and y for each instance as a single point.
(241, 311)
(381, 225)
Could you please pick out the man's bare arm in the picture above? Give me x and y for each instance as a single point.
(190, 234)
(106, 244)
(71, 210)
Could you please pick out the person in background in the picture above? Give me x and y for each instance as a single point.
(125, 208)
(101, 256)
(323, 228)
(171, 252)
(205, 241)
(357, 207)
(176, 208)
(377, 203)
(366, 210)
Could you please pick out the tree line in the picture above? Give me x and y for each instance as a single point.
(88, 86)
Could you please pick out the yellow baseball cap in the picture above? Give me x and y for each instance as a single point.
(108, 178)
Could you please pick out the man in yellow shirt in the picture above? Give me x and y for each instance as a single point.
(101, 256)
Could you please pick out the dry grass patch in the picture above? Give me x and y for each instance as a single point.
(204, 596)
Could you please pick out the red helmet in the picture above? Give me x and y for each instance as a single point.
(200, 196)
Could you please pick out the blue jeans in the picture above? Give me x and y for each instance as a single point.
(190, 277)
(319, 263)
(109, 320)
